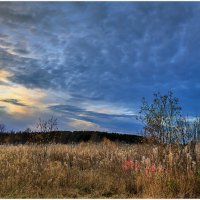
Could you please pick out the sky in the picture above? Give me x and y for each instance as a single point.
(90, 63)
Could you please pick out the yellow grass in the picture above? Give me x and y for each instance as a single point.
(89, 170)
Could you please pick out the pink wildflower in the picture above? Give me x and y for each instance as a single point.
(153, 168)
(128, 165)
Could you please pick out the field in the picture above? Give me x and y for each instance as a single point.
(98, 170)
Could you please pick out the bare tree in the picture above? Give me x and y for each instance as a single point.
(185, 130)
(2, 128)
(161, 118)
(196, 129)
(27, 130)
(47, 125)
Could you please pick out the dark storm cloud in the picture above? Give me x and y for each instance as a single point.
(13, 101)
(115, 52)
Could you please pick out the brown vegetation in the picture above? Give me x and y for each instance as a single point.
(96, 170)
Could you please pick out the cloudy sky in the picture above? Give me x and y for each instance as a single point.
(90, 63)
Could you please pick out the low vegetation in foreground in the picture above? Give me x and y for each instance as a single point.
(99, 170)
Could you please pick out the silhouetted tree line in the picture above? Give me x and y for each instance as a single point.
(65, 137)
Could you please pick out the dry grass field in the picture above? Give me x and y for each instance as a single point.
(98, 170)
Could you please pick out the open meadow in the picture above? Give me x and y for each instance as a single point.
(99, 170)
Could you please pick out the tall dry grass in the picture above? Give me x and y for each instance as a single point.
(103, 170)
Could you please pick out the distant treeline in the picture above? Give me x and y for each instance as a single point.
(65, 137)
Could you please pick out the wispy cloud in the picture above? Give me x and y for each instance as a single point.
(114, 122)
(13, 101)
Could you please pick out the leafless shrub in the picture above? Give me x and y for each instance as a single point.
(47, 125)
(2, 128)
